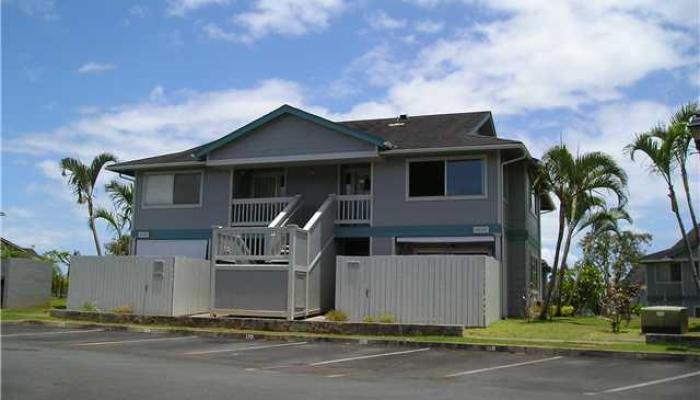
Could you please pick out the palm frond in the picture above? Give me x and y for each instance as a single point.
(78, 177)
(97, 163)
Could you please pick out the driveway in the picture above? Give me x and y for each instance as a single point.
(67, 363)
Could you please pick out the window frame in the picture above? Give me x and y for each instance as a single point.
(144, 188)
(668, 266)
(445, 196)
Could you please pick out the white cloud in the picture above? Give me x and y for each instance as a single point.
(283, 17)
(137, 130)
(157, 94)
(45, 9)
(381, 20)
(95, 68)
(429, 26)
(542, 55)
(181, 7)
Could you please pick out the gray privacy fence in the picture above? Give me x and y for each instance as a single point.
(440, 289)
(25, 283)
(148, 285)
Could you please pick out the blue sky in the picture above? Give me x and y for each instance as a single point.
(139, 78)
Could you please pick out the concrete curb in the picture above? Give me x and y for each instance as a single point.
(292, 336)
(272, 325)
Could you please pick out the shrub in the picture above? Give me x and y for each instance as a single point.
(386, 318)
(336, 315)
(123, 309)
(369, 319)
(89, 306)
(567, 311)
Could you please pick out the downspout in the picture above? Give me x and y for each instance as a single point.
(504, 242)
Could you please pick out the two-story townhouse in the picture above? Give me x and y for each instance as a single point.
(273, 202)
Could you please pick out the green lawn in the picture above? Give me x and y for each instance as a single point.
(579, 332)
(39, 313)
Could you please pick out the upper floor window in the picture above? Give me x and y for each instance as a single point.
(446, 178)
(172, 189)
(668, 273)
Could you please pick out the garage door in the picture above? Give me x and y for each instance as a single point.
(176, 248)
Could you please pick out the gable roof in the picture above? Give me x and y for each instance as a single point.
(439, 131)
(678, 249)
(289, 110)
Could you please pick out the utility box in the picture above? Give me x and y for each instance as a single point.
(665, 319)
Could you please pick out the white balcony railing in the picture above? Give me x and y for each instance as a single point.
(257, 211)
(354, 209)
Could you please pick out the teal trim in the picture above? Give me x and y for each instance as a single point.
(287, 109)
(173, 234)
(417, 230)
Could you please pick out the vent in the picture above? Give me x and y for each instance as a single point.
(400, 120)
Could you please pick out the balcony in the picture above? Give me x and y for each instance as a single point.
(354, 209)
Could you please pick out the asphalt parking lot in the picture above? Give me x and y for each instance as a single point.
(67, 363)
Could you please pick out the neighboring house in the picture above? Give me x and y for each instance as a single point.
(669, 279)
(16, 250)
(292, 190)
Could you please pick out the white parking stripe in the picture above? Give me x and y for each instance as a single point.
(644, 384)
(50, 333)
(340, 360)
(229, 350)
(476, 371)
(135, 341)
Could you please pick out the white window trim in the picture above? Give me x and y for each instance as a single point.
(156, 206)
(484, 179)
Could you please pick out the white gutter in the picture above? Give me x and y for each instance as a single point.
(456, 149)
(155, 165)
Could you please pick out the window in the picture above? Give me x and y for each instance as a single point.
(446, 178)
(668, 273)
(178, 189)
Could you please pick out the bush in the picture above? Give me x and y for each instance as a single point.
(567, 311)
(386, 318)
(368, 319)
(123, 309)
(89, 306)
(336, 315)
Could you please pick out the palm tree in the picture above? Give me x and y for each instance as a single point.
(579, 184)
(681, 149)
(660, 146)
(82, 179)
(120, 220)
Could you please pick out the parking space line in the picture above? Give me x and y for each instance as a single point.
(134, 341)
(49, 333)
(341, 360)
(229, 350)
(476, 371)
(644, 384)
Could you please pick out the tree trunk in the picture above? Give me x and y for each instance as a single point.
(564, 256)
(688, 247)
(553, 279)
(91, 217)
(689, 200)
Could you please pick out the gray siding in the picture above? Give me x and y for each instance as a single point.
(681, 293)
(26, 283)
(289, 136)
(251, 290)
(420, 289)
(392, 208)
(314, 184)
(214, 209)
